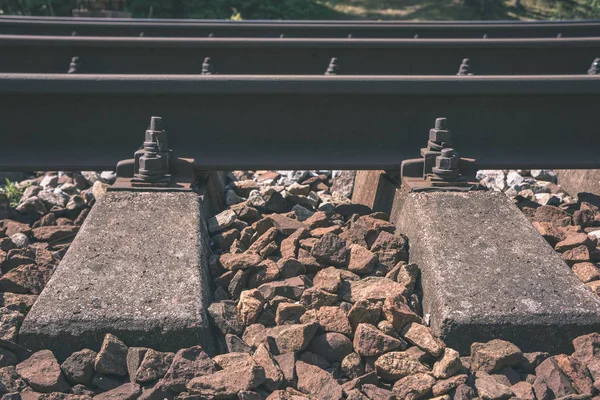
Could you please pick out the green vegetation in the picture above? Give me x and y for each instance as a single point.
(13, 193)
(331, 9)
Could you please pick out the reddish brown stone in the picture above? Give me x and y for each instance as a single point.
(55, 233)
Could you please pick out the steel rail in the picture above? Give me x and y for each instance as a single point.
(299, 29)
(126, 55)
(74, 122)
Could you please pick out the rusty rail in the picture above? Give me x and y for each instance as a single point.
(297, 29)
(235, 122)
(111, 55)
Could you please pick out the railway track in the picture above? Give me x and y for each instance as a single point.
(235, 122)
(294, 29)
(292, 290)
(121, 55)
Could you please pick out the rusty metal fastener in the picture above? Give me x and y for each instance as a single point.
(333, 67)
(440, 133)
(75, 66)
(154, 163)
(446, 165)
(465, 67)
(207, 68)
(595, 67)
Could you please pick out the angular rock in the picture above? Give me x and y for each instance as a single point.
(552, 214)
(290, 267)
(285, 225)
(287, 365)
(26, 279)
(10, 379)
(494, 355)
(576, 255)
(334, 319)
(370, 288)
(364, 311)
(127, 391)
(397, 364)
(263, 240)
(444, 386)
(54, 233)
(11, 228)
(10, 321)
(414, 386)
(267, 271)
(352, 366)
(250, 306)
(550, 378)
(243, 188)
(331, 346)
(289, 313)
(328, 279)
(291, 288)
(226, 318)
(421, 336)
(361, 260)
(489, 389)
(233, 262)
(390, 249)
(370, 341)
(316, 382)
(112, 357)
(586, 272)
(221, 221)
(574, 240)
(523, 390)
(42, 372)
(376, 392)
(398, 313)
(135, 356)
(273, 374)
(227, 383)
(79, 367)
(317, 220)
(234, 361)
(314, 298)
(331, 249)
(576, 372)
(289, 245)
(587, 347)
(236, 345)
(369, 378)
(154, 366)
(295, 338)
(407, 277)
(448, 365)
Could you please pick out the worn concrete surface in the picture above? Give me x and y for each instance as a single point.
(575, 181)
(374, 189)
(487, 273)
(138, 270)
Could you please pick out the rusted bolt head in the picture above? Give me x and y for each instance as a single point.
(447, 152)
(155, 124)
(441, 123)
(440, 133)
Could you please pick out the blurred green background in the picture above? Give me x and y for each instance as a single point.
(329, 9)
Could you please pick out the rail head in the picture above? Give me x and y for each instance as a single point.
(246, 42)
(299, 84)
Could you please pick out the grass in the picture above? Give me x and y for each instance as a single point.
(13, 193)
